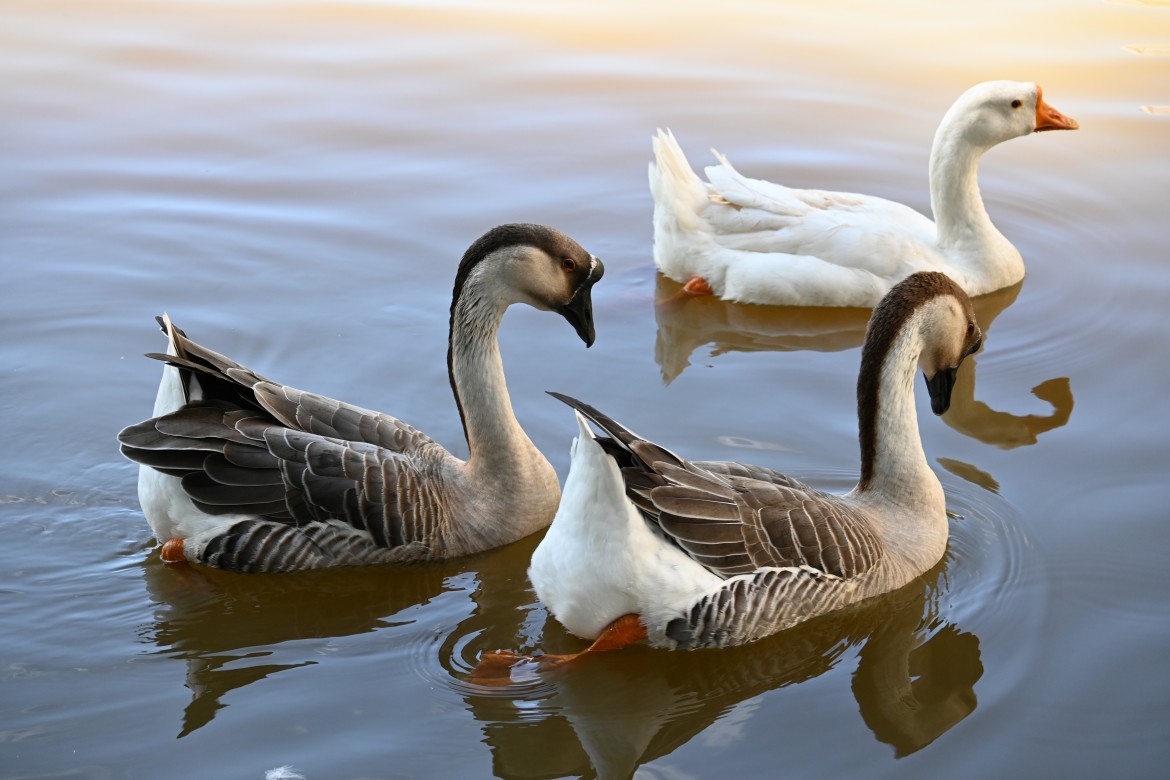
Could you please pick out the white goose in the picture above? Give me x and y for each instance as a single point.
(241, 472)
(688, 554)
(753, 241)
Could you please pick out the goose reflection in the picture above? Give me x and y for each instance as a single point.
(915, 680)
(686, 324)
(233, 630)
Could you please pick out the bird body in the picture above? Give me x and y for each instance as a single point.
(709, 554)
(241, 472)
(754, 241)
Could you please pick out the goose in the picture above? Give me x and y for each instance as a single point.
(752, 241)
(647, 545)
(241, 472)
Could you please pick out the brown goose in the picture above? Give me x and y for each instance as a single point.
(689, 554)
(244, 473)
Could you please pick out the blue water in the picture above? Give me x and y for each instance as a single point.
(295, 182)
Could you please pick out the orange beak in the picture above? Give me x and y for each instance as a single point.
(1048, 118)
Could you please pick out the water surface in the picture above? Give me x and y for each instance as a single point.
(295, 182)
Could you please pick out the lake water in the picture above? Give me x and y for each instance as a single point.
(294, 183)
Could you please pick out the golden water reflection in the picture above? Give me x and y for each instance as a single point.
(688, 324)
(915, 680)
(232, 629)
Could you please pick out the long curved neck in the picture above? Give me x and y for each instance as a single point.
(500, 451)
(954, 189)
(893, 464)
(477, 379)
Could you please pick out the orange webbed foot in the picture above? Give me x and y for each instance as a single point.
(626, 630)
(502, 667)
(172, 551)
(695, 287)
(499, 668)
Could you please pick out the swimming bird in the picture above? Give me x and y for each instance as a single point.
(690, 554)
(241, 472)
(753, 241)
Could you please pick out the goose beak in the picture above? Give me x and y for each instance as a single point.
(579, 310)
(1048, 118)
(940, 386)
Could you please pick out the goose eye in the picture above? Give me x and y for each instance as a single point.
(973, 332)
(568, 263)
(1017, 103)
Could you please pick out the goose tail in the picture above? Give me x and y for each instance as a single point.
(677, 190)
(159, 492)
(623, 445)
(174, 387)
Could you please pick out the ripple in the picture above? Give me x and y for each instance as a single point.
(993, 585)
(1112, 585)
(459, 657)
(990, 559)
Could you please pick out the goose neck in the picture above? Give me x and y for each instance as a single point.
(955, 199)
(476, 372)
(893, 464)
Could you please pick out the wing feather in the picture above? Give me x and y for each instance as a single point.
(243, 444)
(732, 518)
(757, 604)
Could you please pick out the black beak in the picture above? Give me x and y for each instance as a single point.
(940, 386)
(579, 310)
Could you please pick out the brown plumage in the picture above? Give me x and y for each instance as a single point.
(250, 474)
(709, 554)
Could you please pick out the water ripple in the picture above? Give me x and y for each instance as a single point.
(990, 558)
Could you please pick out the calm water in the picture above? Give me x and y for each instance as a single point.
(295, 181)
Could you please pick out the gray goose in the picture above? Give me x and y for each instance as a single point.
(648, 545)
(240, 472)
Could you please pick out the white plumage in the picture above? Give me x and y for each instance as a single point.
(241, 472)
(754, 241)
(710, 553)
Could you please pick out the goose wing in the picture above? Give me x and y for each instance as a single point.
(735, 519)
(729, 468)
(848, 230)
(243, 444)
(755, 605)
(206, 374)
(240, 461)
(736, 525)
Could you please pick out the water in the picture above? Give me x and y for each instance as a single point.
(294, 183)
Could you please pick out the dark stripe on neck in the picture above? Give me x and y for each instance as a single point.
(520, 234)
(887, 322)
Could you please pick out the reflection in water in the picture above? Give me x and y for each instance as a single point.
(973, 474)
(1004, 429)
(229, 627)
(235, 629)
(911, 692)
(686, 324)
(915, 680)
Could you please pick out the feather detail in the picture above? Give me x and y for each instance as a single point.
(710, 554)
(255, 475)
(755, 241)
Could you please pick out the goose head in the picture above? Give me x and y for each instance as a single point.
(950, 334)
(532, 264)
(929, 310)
(997, 111)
